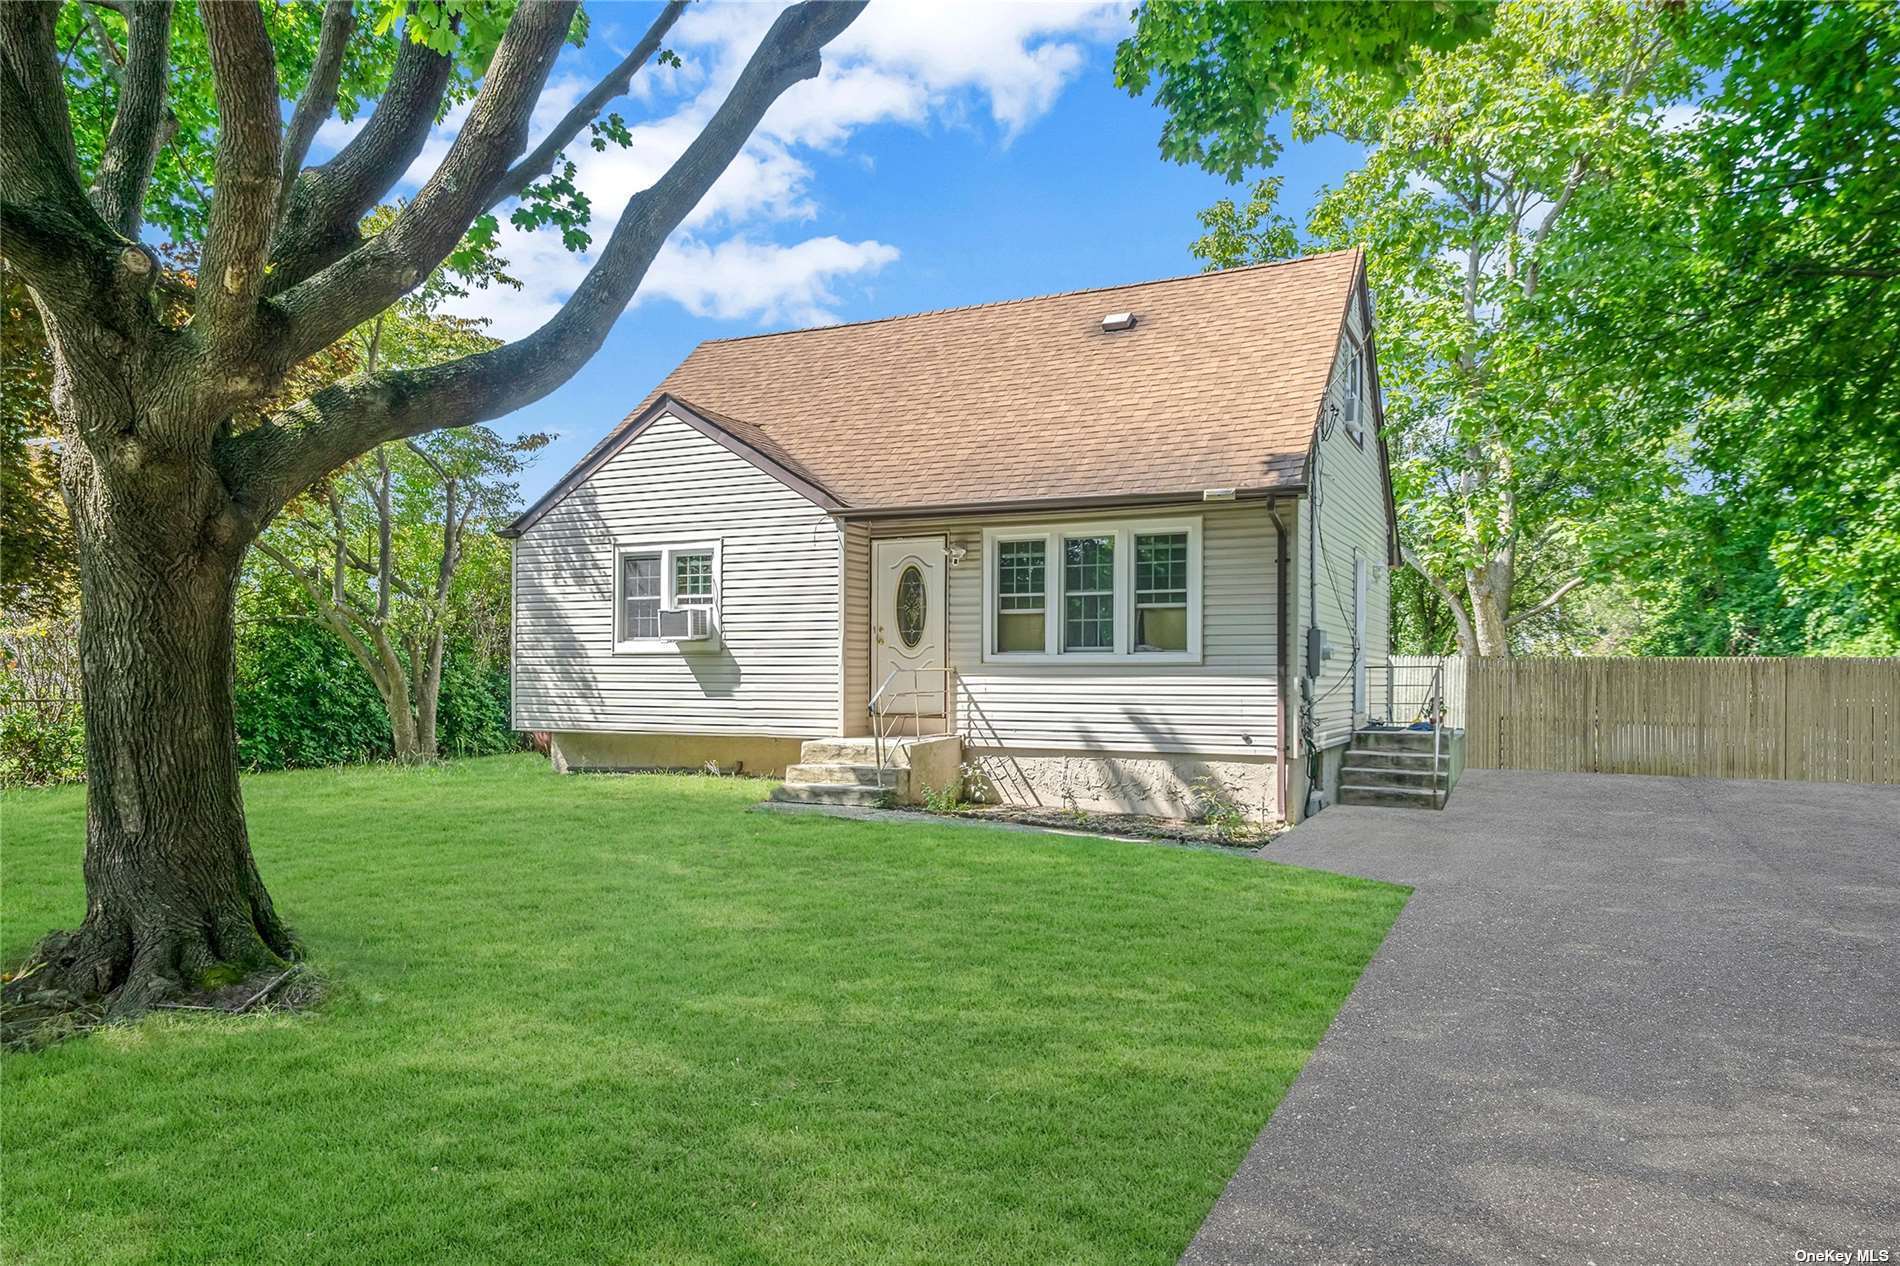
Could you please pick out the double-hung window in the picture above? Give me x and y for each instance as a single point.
(1088, 593)
(639, 596)
(1021, 596)
(650, 577)
(1161, 591)
(1094, 592)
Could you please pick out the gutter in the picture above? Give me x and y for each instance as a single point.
(1046, 504)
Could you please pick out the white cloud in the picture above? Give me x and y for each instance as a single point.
(743, 278)
(913, 63)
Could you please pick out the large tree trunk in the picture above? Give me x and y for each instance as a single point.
(1487, 617)
(1489, 587)
(173, 897)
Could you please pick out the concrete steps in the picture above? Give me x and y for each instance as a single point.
(845, 771)
(1390, 797)
(868, 796)
(1395, 769)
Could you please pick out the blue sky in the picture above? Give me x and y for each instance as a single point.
(949, 155)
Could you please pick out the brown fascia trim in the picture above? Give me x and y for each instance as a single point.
(670, 405)
(1046, 505)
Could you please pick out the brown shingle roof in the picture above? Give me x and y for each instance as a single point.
(1217, 386)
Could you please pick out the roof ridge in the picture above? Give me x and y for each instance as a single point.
(1056, 294)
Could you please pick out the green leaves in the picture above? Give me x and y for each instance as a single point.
(558, 202)
(1252, 234)
(1222, 71)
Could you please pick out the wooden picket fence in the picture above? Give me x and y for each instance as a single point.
(1811, 720)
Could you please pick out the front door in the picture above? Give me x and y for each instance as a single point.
(907, 625)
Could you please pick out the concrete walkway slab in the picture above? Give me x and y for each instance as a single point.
(1641, 1020)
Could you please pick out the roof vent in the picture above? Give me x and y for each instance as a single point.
(1118, 321)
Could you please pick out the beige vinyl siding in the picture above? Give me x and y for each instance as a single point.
(1353, 521)
(776, 670)
(1224, 705)
(856, 643)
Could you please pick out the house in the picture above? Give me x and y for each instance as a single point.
(1109, 549)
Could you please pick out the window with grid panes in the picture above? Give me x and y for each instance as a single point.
(639, 596)
(693, 579)
(1088, 593)
(1161, 591)
(1020, 604)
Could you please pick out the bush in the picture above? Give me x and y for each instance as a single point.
(302, 701)
(42, 738)
(472, 714)
(41, 744)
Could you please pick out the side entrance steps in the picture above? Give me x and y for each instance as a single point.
(844, 771)
(1394, 768)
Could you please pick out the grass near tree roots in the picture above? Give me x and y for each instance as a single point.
(620, 1019)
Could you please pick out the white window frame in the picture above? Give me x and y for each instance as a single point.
(667, 551)
(1124, 531)
(1353, 407)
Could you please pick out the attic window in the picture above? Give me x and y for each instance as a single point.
(1118, 321)
(1352, 377)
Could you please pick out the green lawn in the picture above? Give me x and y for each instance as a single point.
(620, 1019)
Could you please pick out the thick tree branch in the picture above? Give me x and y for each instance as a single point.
(319, 93)
(37, 129)
(615, 83)
(1467, 639)
(326, 203)
(139, 129)
(244, 204)
(271, 463)
(323, 308)
(1556, 596)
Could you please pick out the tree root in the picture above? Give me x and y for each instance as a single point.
(105, 970)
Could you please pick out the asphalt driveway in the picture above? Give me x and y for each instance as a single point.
(1644, 1020)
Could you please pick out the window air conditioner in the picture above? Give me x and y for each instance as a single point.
(685, 624)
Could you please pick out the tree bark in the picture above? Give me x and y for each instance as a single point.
(1488, 625)
(173, 898)
(166, 495)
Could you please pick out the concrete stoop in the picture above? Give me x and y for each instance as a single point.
(845, 771)
(1395, 768)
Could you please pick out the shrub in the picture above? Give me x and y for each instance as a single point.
(302, 701)
(42, 738)
(472, 714)
(41, 744)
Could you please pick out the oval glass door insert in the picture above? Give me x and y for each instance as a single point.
(910, 606)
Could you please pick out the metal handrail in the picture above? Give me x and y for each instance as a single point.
(880, 723)
(1436, 701)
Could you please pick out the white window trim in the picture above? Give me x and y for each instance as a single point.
(1124, 531)
(666, 550)
(1353, 389)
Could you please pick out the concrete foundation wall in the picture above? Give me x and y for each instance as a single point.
(579, 750)
(1159, 785)
(1331, 761)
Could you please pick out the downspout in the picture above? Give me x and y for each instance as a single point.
(1309, 685)
(1281, 562)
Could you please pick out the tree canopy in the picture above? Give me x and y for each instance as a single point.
(1634, 272)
